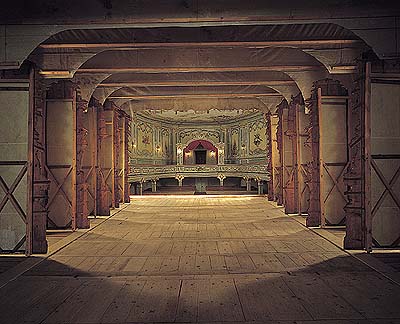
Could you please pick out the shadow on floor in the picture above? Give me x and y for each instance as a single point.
(340, 290)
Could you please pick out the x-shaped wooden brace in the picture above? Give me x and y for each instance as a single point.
(121, 175)
(305, 175)
(9, 193)
(277, 171)
(290, 173)
(86, 179)
(335, 182)
(59, 186)
(105, 177)
(388, 188)
(58, 189)
(336, 185)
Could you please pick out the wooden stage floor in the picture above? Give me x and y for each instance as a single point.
(200, 259)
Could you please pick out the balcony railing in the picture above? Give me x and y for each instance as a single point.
(250, 171)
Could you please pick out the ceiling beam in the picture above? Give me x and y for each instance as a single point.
(289, 43)
(285, 68)
(191, 83)
(198, 96)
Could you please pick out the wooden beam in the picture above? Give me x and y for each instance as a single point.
(194, 96)
(288, 68)
(288, 43)
(368, 160)
(190, 83)
(321, 159)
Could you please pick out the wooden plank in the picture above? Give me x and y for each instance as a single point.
(370, 294)
(124, 302)
(157, 302)
(152, 265)
(188, 301)
(218, 301)
(170, 264)
(87, 304)
(187, 263)
(202, 263)
(319, 300)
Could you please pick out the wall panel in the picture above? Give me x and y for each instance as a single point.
(14, 107)
(385, 168)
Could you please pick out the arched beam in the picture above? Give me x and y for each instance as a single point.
(374, 22)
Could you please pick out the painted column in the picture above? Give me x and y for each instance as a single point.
(173, 146)
(179, 154)
(260, 186)
(221, 153)
(141, 188)
(248, 183)
(153, 185)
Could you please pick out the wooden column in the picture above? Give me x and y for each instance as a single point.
(116, 154)
(270, 156)
(314, 210)
(80, 203)
(89, 161)
(61, 152)
(329, 149)
(358, 172)
(123, 156)
(103, 170)
(289, 171)
(38, 183)
(304, 158)
(66, 143)
(126, 137)
(278, 169)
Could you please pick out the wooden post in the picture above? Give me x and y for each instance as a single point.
(329, 150)
(289, 174)
(276, 166)
(74, 175)
(103, 207)
(320, 159)
(270, 156)
(80, 146)
(314, 212)
(127, 154)
(93, 154)
(298, 157)
(38, 183)
(358, 173)
(116, 142)
(368, 160)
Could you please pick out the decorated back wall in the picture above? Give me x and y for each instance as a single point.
(154, 141)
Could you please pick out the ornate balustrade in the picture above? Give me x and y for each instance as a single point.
(249, 171)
